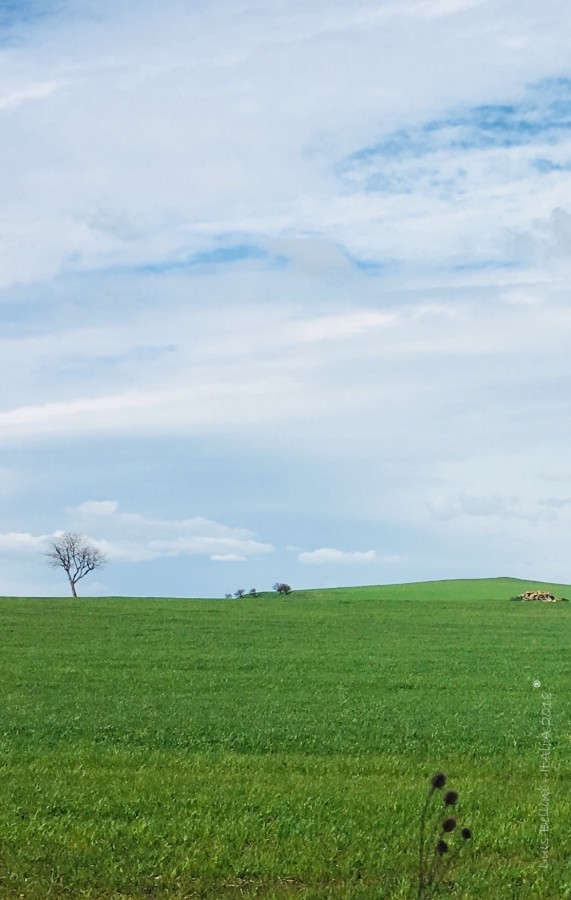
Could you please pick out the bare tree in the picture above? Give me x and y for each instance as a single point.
(76, 555)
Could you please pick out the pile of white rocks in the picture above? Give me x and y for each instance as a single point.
(542, 596)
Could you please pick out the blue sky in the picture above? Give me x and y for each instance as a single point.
(284, 292)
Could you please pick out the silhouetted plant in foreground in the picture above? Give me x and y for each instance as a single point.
(437, 847)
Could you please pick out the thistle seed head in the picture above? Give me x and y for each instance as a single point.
(450, 798)
(438, 780)
(441, 848)
(449, 824)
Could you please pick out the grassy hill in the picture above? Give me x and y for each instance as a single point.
(281, 747)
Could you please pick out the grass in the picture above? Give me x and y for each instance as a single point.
(280, 747)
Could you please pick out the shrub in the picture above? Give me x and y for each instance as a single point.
(282, 588)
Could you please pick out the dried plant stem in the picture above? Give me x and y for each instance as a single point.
(432, 873)
(422, 842)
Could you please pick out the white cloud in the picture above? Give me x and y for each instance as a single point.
(457, 505)
(127, 551)
(98, 508)
(129, 537)
(66, 416)
(207, 545)
(531, 508)
(11, 99)
(228, 557)
(342, 327)
(327, 555)
(132, 537)
(22, 543)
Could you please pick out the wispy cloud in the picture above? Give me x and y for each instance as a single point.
(327, 555)
(455, 506)
(541, 116)
(480, 156)
(11, 99)
(134, 537)
(83, 414)
(22, 543)
(130, 537)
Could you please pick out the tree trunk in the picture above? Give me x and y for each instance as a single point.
(73, 591)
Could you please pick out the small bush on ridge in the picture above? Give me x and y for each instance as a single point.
(282, 588)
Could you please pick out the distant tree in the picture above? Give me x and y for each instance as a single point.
(282, 588)
(76, 555)
(239, 593)
(253, 592)
(227, 596)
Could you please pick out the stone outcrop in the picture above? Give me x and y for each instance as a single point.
(542, 596)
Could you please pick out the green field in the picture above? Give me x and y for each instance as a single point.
(281, 747)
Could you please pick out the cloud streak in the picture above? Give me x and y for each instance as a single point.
(327, 555)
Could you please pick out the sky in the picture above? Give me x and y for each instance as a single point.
(284, 292)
